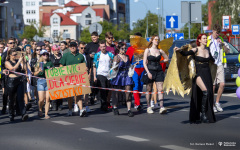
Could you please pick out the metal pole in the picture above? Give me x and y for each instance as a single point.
(236, 42)
(6, 26)
(201, 27)
(147, 25)
(159, 20)
(162, 22)
(189, 23)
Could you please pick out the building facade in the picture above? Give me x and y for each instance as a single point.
(30, 11)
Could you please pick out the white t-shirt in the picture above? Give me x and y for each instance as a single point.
(103, 65)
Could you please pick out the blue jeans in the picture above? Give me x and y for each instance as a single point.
(42, 85)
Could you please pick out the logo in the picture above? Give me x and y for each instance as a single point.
(78, 59)
(220, 143)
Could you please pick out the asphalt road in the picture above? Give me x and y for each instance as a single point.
(103, 131)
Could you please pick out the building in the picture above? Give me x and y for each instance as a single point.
(30, 11)
(11, 19)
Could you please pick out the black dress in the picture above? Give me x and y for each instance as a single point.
(203, 71)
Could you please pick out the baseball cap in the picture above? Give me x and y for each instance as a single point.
(43, 51)
(73, 44)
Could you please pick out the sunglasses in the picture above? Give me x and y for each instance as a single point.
(14, 55)
(45, 54)
(1, 47)
(12, 43)
(110, 37)
(82, 48)
(38, 49)
(124, 49)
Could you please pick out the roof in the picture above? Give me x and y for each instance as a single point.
(99, 12)
(78, 9)
(71, 4)
(65, 20)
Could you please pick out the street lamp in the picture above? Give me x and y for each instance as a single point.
(147, 12)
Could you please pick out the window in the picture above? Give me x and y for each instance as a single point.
(55, 33)
(61, 2)
(33, 11)
(65, 30)
(88, 22)
(33, 3)
(27, 11)
(55, 20)
(88, 15)
(40, 3)
(33, 20)
(27, 3)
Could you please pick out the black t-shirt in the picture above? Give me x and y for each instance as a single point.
(54, 60)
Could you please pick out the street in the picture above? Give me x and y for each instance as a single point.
(144, 131)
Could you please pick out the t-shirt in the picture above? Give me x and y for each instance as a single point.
(71, 59)
(47, 65)
(103, 66)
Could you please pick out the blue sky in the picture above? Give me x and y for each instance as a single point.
(138, 10)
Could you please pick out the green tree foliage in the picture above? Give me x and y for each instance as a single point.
(120, 32)
(141, 25)
(225, 7)
(30, 31)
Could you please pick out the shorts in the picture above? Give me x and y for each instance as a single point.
(220, 77)
(157, 76)
(42, 85)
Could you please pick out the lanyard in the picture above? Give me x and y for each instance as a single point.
(216, 49)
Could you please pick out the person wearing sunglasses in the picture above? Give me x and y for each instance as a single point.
(55, 58)
(110, 47)
(122, 80)
(43, 93)
(15, 84)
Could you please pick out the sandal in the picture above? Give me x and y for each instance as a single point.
(40, 114)
(47, 117)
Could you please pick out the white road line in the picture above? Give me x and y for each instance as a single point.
(95, 130)
(175, 147)
(183, 110)
(234, 117)
(132, 138)
(229, 95)
(63, 123)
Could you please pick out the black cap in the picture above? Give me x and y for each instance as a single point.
(73, 44)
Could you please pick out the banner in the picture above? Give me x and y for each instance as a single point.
(60, 79)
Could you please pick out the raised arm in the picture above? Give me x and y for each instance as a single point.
(186, 53)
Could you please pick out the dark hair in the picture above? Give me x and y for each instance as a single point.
(107, 34)
(64, 42)
(138, 34)
(11, 39)
(199, 38)
(1, 43)
(83, 43)
(193, 44)
(102, 42)
(217, 28)
(94, 33)
(121, 44)
(9, 52)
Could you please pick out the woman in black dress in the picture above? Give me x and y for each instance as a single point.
(154, 72)
(202, 85)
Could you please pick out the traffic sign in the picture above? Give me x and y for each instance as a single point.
(177, 36)
(171, 21)
(226, 22)
(235, 29)
(95, 27)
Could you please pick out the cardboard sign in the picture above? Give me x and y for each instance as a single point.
(75, 74)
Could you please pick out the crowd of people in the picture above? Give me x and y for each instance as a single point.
(109, 65)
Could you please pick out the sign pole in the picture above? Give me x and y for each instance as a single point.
(189, 23)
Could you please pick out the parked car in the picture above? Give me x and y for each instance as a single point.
(231, 72)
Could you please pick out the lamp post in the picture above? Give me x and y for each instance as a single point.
(147, 13)
(110, 21)
(6, 27)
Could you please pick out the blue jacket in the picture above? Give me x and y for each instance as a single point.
(97, 56)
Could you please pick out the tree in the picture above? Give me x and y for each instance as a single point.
(31, 30)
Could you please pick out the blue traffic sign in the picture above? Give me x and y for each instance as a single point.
(235, 29)
(177, 36)
(171, 21)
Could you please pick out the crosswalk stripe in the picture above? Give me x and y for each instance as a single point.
(175, 147)
(63, 122)
(234, 117)
(95, 130)
(132, 138)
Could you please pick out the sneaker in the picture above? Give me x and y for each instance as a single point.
(149, 110)
(156, 106)
(88, 110)
(138, 107)
(82, 113)
(130, 114)
(24, 117)
(115, 111)
(4, 110)
(218, 107)
(152, 104)
(215, 109)
(69, 113)
(75, 108)
(163, 110)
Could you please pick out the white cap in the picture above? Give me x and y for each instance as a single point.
(43, 51)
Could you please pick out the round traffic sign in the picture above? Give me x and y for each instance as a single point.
(95, 27)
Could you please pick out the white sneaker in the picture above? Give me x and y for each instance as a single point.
(75, 108)
(69, 113)
(163, 110)
(149, 110)
(88, 110)
(156, 106)
(215, 109)
(218, 106)
(152, 104)
(82, 113)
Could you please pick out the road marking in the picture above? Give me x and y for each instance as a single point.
(95, 130)
(234, 117)
(175, 147)
(32, 114)
(229, 95)
(63, 123)
(184, 110)
(132, 138)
